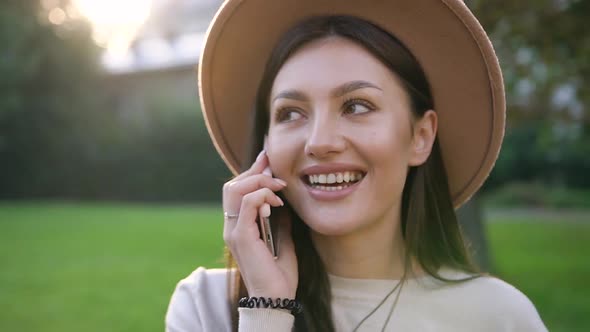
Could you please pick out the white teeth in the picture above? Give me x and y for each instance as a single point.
(330, 188)
(332, 178)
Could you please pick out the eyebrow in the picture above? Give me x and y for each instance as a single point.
(339, 91)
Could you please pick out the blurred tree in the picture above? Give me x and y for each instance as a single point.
(544, 51)
(544, 48)
(48, 73)
(61, 136)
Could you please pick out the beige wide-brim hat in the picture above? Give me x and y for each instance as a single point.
(444, 36)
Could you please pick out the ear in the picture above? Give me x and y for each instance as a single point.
(423, 138)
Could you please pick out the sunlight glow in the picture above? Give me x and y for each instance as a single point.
(57, 16)
(115, 22)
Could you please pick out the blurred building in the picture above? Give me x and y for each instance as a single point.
(161, 63)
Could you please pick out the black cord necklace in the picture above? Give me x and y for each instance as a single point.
(399, 284)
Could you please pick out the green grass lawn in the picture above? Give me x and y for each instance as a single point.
(549, 262)
(96, 267)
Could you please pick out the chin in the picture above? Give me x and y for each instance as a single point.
(327, 224)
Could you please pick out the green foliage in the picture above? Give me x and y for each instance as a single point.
(531, 152)
(161, 153)
(544, 41)
(47, 75)
(544, 51)
(94, 267)
(538, 195)
(61, 136)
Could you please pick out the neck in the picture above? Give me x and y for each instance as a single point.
(374, 252)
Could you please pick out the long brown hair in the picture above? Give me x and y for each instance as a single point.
(429, 225)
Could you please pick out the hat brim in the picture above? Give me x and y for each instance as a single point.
(444, 36)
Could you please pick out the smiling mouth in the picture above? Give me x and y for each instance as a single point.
(333, 181)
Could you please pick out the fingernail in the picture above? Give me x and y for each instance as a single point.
(260, 155)
(281, 181)
(280, 200)
(265, 211)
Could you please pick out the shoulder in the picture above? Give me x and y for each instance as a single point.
(498, 303)
(200, 302)
(496, 293)
(206, 282)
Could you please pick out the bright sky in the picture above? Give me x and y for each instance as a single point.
(115, 22)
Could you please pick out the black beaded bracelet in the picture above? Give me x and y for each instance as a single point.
(266, 302)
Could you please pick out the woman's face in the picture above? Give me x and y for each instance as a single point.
(340, 135)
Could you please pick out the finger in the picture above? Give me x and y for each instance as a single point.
(252, 183)
(246, 227)
(228, 226)
(234, 191)
(230, 219)
(264, 211)
(257, 167)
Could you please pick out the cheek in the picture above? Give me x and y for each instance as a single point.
(281, 153)
(388, 155)
(388, 160)
(385, 140)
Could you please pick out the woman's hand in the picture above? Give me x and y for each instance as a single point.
(247, 195)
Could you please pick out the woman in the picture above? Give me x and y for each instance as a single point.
(368, 143)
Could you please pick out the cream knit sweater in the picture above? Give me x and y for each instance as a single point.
(199, 303)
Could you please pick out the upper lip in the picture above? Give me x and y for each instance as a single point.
(331, 168)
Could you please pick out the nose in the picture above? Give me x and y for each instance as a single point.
(325, 137)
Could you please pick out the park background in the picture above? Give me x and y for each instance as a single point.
(110, 187)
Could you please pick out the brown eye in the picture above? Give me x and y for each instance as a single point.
(357, 106)
(288, 115)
